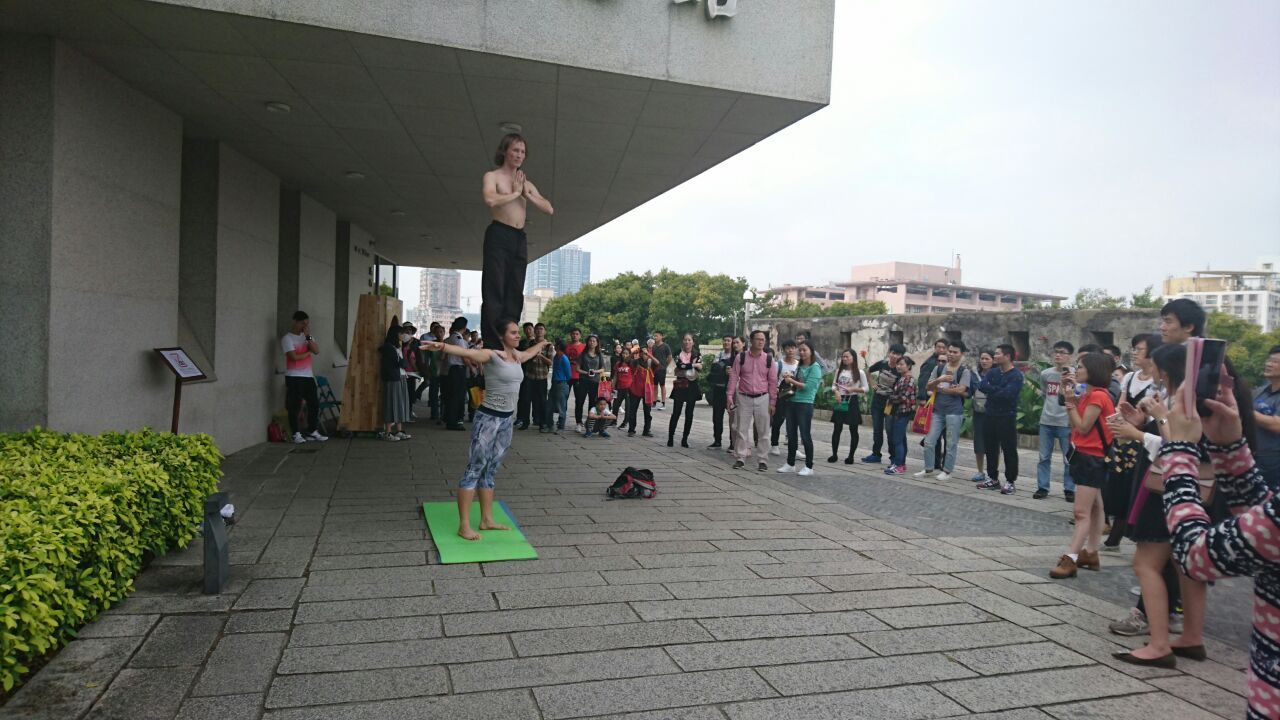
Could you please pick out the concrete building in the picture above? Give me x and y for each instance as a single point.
(1252, 295)
(822, 296)
(562, 271)
(1031, 333)
(534, 304)
(190, 172)
(439, 294)
(911, 288)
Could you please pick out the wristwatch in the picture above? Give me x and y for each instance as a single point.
(1162, 421)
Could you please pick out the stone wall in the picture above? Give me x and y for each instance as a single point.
(1032, 333)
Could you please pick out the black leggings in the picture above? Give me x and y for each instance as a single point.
(584, 391)
(853, 418)
(684, 400)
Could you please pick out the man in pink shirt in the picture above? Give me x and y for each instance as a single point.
(753, 390)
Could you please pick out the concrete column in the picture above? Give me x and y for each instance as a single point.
(198, 245)
(287, 258)
(26, 206)
(341, 285)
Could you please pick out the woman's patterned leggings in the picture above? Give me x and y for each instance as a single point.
(490, 440)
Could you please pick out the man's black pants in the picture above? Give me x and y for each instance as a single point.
(297, 389)
(455, 395)
(506, 257)
(719, 402)
(1002, 438)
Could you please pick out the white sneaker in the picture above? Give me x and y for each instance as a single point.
(298, 439)
(315, 436)
(775, 450)
(944, 475)
(579, 429)
(787, 469)
(928, 472)
(391, 437)
(403, 435)
(806, 471)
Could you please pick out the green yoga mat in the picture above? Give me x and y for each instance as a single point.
(493, 545)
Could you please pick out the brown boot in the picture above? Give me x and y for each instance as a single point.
(1066, 568)
(1089, 560)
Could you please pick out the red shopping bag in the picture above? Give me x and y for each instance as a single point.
(924, 417)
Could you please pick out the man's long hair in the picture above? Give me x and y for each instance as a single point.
(500, 157)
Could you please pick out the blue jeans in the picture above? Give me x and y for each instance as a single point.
(558, 402)
(898, 438)
(1049, 436)
(950, 424)
(878, 422)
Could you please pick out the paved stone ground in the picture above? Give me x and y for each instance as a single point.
(734, 595)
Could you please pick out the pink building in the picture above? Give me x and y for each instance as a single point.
(915, 288)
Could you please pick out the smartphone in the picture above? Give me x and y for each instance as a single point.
(1209, 373)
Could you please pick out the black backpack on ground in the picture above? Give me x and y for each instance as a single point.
(633, 483)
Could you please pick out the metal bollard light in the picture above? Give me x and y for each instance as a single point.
(217, 563)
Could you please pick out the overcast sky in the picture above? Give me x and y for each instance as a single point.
(1053, 145)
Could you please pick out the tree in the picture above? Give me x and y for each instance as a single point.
(861, 307)
(1146, 299)
(1095, 298)
(385, 289)
(697, 303)
(633, 306)
(1247, 345)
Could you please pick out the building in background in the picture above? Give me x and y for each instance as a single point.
(822, 296)
(563, 271)
(1252, 295)
(439, 295)
(535, 303)
(912, 288)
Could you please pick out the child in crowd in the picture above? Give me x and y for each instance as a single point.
(598, 418)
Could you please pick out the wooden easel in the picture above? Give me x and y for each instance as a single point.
(362, 393)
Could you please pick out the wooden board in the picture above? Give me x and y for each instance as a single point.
(362, 394)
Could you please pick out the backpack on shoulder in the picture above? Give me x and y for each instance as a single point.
(633, 483)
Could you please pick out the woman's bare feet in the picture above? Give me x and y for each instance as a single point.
(1147, 652)
(490, 525)
(466, 533)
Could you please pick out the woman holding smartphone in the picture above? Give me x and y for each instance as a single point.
(985, 362)
(806, 380)
(849, 385)
(590, 363)
(685, 392)
(1087, 411)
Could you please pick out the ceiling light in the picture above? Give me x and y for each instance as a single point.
(510, 127)
(397, 213)
(275, 106)
(353, 175)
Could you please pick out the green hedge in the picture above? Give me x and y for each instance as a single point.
(78, 513)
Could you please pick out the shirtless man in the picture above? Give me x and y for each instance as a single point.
(506, 250)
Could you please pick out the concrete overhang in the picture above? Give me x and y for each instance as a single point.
(413, 97)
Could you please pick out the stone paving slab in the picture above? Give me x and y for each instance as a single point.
(732, 595)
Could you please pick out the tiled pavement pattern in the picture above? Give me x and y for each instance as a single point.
(732, 595)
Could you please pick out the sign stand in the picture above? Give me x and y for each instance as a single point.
(184, 369)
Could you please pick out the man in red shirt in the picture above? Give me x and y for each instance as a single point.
(572, 350)
(753, 390)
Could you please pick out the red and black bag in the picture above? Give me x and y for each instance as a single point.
(633, 483)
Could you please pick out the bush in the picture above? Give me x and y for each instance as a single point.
(78, 514)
